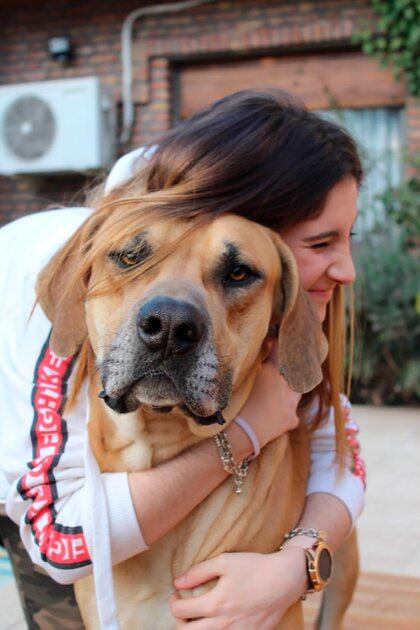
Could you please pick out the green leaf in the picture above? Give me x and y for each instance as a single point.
(396, 43)
(399, 42)
(381, 43)
(368, 48)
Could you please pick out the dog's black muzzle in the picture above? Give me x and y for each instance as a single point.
(171, 362)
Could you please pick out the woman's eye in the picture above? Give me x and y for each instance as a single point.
(239, 274)
(319, 245)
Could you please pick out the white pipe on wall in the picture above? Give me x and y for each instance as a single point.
(126, 54)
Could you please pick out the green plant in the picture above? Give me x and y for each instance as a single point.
(387, 357)
(398, 41)
(403, 207)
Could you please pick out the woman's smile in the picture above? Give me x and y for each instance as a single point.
(321, 294)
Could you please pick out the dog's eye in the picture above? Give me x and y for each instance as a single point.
(128, 260)
(133, 253)
(239, 274)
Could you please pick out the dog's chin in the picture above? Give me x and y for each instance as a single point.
(153, 392)
(156, 392)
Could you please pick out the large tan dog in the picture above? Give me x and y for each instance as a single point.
(176, 347)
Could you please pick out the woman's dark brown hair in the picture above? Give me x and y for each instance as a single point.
(259, 154)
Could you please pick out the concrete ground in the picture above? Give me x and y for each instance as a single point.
(389, 528)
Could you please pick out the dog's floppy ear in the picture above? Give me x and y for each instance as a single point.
(61, 291)
(302, 346)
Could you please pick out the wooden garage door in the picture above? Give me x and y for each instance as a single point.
(323, 80)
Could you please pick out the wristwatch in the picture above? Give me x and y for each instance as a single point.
(319, 565)
(318, 558)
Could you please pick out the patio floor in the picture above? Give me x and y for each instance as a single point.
(388, 591)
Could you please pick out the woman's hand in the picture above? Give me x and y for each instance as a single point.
(271, 408)
(253, 590)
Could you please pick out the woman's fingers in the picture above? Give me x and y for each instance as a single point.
(200, 573)
(192, 607)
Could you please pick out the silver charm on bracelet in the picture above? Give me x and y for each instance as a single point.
(238, 471)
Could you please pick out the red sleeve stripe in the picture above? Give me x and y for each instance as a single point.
(358, 466)
(60, 546)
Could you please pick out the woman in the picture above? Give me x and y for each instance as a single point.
(262, 156)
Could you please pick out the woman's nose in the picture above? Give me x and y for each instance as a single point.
(342, 269)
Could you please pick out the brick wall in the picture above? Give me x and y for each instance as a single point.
(223, 30)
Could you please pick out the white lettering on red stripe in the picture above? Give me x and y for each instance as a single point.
(64, 547)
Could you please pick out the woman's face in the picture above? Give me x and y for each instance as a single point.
(322, 246)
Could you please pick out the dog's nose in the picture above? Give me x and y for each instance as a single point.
(169, 324)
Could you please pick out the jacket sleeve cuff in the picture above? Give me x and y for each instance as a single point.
(348, 489)
(125, 532)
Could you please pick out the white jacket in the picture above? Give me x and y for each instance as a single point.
(42, 453)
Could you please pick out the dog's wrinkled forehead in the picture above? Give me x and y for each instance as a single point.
(227, 243)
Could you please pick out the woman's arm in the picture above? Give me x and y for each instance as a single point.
(177, 486)
(326, 513)
(349, 487)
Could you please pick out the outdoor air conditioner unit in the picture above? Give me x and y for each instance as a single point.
(62, 126)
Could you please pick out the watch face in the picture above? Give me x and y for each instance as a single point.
(324, 564)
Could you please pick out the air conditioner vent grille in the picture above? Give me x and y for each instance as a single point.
(29, 127)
